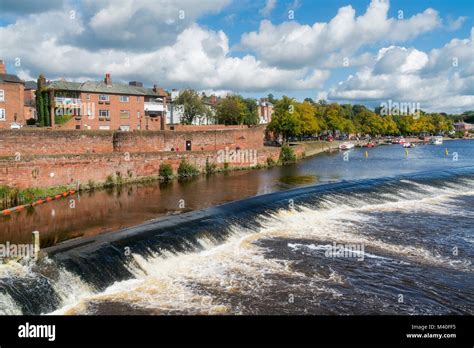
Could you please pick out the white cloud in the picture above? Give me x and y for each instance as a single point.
(291, 44)
(455, 24)
(269, 6)
(410, 75)
(199, 58)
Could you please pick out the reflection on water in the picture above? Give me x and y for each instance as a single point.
(299, 179)
(102, 211)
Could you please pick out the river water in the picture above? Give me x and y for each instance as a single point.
(403, 225)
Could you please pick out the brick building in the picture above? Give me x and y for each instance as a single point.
(29, 110)
(105, 105)
(11, 99)
(265, 111)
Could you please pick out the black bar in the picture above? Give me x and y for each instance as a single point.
(223, 330)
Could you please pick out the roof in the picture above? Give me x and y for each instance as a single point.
(10, 78)
(31, 85)
(102, 87)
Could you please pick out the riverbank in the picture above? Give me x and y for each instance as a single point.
(203, 163)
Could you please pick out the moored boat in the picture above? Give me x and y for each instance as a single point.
(346, 146)
(436, 140)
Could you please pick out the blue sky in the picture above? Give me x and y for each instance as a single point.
(252, 47)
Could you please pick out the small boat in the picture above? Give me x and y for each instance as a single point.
(346, 146)
(436, 140)
(408, 145)
(369, 145)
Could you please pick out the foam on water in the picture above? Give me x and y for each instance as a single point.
(182, 282)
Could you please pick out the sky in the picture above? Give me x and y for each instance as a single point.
(354, 51)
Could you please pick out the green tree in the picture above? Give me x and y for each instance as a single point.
(192, 104)
(334, 119)
(390, 126)
(310, 124)
(285, 120)
(231, 110)
(251, 111)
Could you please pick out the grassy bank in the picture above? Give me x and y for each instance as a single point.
(11, 197)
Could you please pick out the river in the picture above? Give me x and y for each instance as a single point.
(409, 215)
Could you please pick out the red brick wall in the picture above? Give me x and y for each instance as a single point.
(52, 142)
(13, 103)
(28, 142)
(46, 171)
(205, 140)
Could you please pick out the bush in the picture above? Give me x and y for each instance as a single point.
(166, 171)
(287, 155)
(271, 162)
(186, 170)
(210, 167)
(109, 182)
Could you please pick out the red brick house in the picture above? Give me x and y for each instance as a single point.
(105, 105)
(11, 99)
(29, 110)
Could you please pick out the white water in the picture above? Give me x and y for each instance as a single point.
(167, 283)
(170, 282)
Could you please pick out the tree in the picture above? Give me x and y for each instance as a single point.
(42, 102)
(231, 110)
(285, 120)
(271, 98)
(192, 104)
(390, 126)
(333, 117)
(251, 111)
(310, 124)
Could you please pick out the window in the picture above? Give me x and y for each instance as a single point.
(104, 115)
(2, 95)
(103, 97)
(88, 97)
(124, 98)
(125, 128)
(3, 116)
(138, 114)
(104, 127)
(138, 99)
(124, 114)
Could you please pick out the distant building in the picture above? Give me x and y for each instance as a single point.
(29, 109)
(104, 105)
(463, 126)
(265, 111)
(11, 99)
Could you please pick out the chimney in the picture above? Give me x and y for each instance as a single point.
(108, 80)
(3, 70)
(155, 88)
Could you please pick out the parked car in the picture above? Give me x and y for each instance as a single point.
(15, 125)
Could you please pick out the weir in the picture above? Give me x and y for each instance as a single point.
(101, 260)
